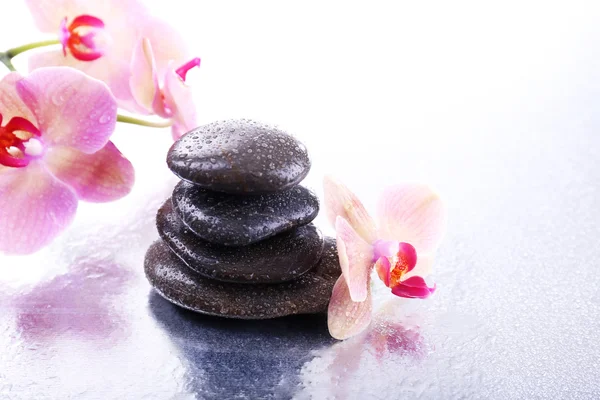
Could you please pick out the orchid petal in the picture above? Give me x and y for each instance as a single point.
(356, 259)
(47, 14)
(346, 318)
(383, 268)
(386, 248)
(167, 44)
(100, 177)
(11, 104)
(413, 288)
(180, 100)
(115, 72)
(34, 208)
(412, 213)
(71, 108)
(144, 79)
(340, 201)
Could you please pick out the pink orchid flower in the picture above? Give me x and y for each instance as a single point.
(54, 150)
(98, 38)
(171, 98)
(411, 223)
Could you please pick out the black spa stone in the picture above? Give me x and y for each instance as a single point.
(239, 156)
(309, 294)
(239, 220)
(278, 259)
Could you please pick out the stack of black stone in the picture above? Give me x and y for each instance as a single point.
(237, 239)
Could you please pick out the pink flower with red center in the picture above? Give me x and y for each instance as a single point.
(54, 151)
(98, 38)
(400, 247)
(168, 97)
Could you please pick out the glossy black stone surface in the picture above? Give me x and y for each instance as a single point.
(239, 220)
(281, 258)
(309, 294)
(239, 156)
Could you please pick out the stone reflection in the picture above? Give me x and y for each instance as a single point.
(241, 359)
(78, 303)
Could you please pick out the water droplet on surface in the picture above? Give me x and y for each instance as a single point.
(105, 118)
(58, 99)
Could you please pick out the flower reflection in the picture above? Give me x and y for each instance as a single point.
(78, 303)
(383, 345)
(389, 337)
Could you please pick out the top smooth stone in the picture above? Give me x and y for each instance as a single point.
(239, 156)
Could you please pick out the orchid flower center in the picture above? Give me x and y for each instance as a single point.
(397, 258)
(393, 260)
(19, 143)
(183, 70)
(83, 37)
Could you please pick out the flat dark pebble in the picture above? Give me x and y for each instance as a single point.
(309, 294)
(239, 156)
(239, 220)
(278, 259)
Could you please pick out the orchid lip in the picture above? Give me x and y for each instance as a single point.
(183, 70)
(414, 288)
(19, 143)
(79, 37)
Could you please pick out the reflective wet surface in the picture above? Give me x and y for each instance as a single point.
(515, 315)
(503, 122)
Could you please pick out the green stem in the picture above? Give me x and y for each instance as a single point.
(4, 59)
(10, 53)
(136, 121)
(7, 56)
